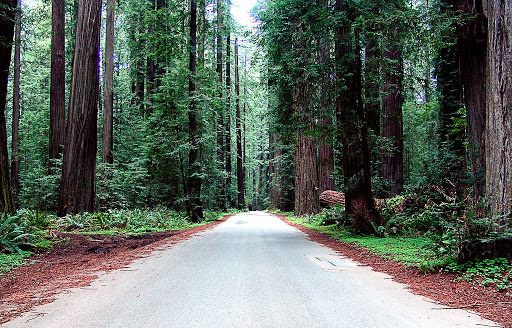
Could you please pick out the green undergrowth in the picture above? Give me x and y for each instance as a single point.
(488, 272)
(12, 261)
(410, 251)
(28, 230)
(419, 250)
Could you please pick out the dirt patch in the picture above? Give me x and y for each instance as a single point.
(76, 262)
(440, 287)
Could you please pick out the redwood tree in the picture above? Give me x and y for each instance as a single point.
(498, 139)
(229, 166)
(306, 169)
(77, 191)
(15, 161)
(473, 57)
(108, 103)
(57, 84)
(220, 115)
(7, 18)
(352, 125)
(392, 164)
(194, 204)
(239, 154)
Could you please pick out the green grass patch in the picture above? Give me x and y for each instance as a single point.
(410, 251)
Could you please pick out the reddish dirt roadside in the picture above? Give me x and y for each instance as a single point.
(440, 287)
(76, 262)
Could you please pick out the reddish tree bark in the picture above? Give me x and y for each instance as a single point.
(498, 141)
(305, 153)
(473, 57)
(229, 165)
(7, 18)
(392, 164)
(352, 121)
(15, 161)
(108, 102)
(77, 191)
(58, 82)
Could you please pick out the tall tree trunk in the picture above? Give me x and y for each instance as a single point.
(229, 167)
(220, 115)
(58, 82)
(77, 192)
(202, 28)
(392, 164)
(448, 77)
(239, 153)
(15, 161)
(359, 203)
(108, 103)
(195, 207)
(498, 139)
(325, 145)
(7, 18)
(306, 169)
(473, 53)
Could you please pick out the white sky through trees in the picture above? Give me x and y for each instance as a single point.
(240, 11)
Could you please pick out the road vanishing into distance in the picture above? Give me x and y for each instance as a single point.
(251, 271)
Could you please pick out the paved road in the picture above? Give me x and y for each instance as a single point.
(251, 271)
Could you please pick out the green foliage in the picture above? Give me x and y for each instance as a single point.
(124, 221)
(15, 234)
(489, 272)
(12, 261)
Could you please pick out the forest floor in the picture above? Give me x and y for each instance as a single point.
(442, 287)
(75, 262)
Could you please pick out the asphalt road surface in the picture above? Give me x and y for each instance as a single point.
(251, 271)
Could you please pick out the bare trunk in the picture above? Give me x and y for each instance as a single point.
(195, 205)
(498, 141)
(220, 116)
(473, 54)
(58, 82)
(239, 153)
(229, 167)
(352, 121)
(306, 169)
(392, 164)
(325, 145)
(7, 18)
(15, 161)
(108, 103)
(77, 192)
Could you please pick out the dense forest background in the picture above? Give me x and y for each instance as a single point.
(171, 103)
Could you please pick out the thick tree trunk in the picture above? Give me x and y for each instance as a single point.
(108, 103)
(15, 161)
(58, 82)
(77, 192)
(392, 164)
(239, 153)
(305, 153)
(498, 146)
(359, 203)
(473, 54)
(7, 18)
(448, 78)
(325, 144)
(195, 205)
